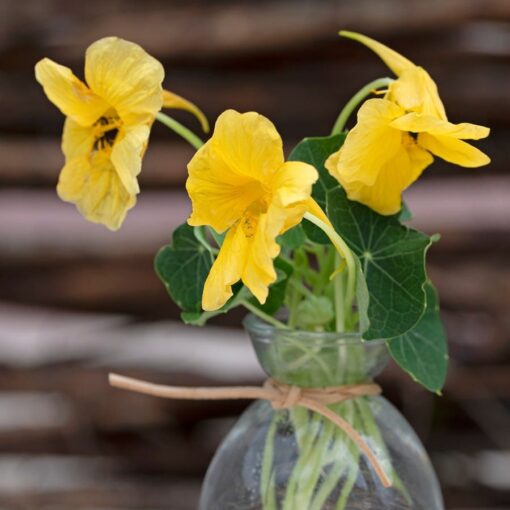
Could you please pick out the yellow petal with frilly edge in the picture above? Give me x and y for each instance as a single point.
(249, 144)
(369, 145)
(233, 169)
(226, 270)
(125, 76)
(77, 140)
(397, 173)
(218, 194)
(96, 189)
(69, 94)
(245, 257)
(293, 182)
(127, 154)
(417, 92)
(258, 271)
(172, 100)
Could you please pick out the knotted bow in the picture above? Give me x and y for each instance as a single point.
(281, 396)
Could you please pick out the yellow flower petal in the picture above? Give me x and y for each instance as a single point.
(219, 195)
(369, 145)
(396, 62)
(127, 77)
(226, 270)
(127, 154)
(249, 144)
(238, 180)
(96, 190)
(416, 91)
(247, 257)
(231, 170)
(70, 95)
(292, 190)
(384, 196)
(293, 182)
(171, 100)
(453, 150)
(259, 272)
(417, 123)
(77, 140)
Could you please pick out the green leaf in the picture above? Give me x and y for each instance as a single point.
(314, 311)
(392, 259)
(183, 267)
(277, 290)
(405, 213)
(422, 352)
(293, 238)
(316, 151)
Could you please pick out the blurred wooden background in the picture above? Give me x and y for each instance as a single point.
(77, 301)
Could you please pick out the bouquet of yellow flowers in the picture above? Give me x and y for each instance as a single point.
(316, 247)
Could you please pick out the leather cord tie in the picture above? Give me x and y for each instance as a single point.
(280, 396)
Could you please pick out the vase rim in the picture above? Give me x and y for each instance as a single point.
(254, 324)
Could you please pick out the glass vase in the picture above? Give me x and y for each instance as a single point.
(295, 459)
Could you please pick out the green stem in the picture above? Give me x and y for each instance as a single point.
(263, 315)
(181, 130)
(344, 251)
(355, 100)
(303, 289)
(339, 299)
(348, 486)
(267, 476)
(202, 239)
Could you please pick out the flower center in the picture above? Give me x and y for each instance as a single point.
(106, 129)
(250, 218)
(409, 139)
(249, 223)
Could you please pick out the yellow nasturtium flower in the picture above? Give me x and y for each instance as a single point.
(108, 124)
(396, 137)
(239, 182)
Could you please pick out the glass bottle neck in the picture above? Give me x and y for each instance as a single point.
(310, 359)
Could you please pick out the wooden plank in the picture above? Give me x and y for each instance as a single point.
(455, 205)
(37, 161)
(37, 221)
(63, 482)
(205, 29)
(45, 337)
(283, 92)
(33, 410)
(33, 336)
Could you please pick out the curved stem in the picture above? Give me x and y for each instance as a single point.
(202, 239)
(355, 100)
(343, 250)
(263, 315)
(181, 130)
